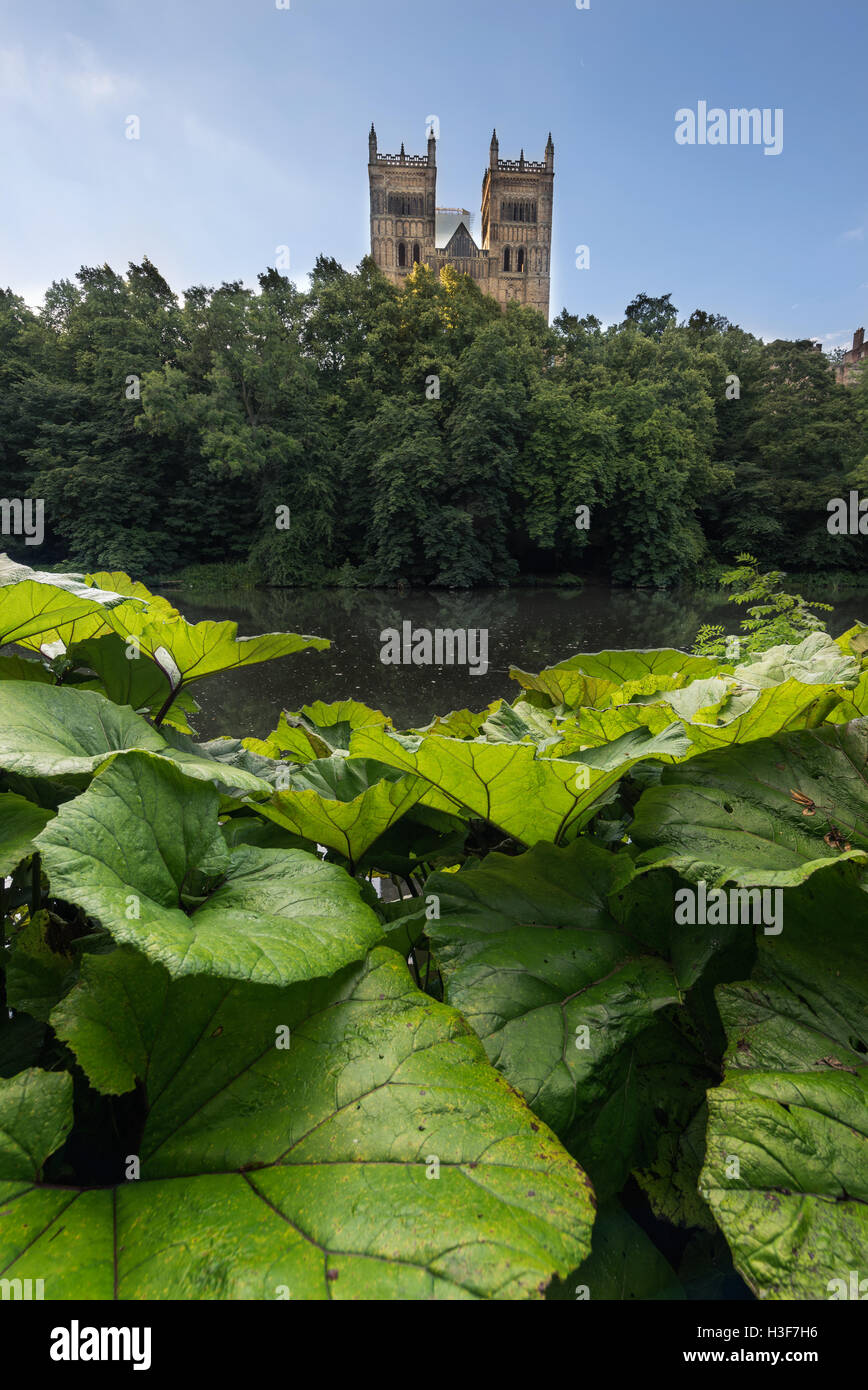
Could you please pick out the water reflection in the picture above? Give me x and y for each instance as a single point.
(530, 628)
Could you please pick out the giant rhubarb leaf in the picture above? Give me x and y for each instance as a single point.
(376, 1156)
(786, 1167)
(51, 731)
(142, 853)
(343, 803)
(508, 784)
(595, 678)
(766, 813)
(536, 954)
(20, 821)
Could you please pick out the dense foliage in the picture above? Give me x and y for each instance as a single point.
(420, 435)
(231, 1068)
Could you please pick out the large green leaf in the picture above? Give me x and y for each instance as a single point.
(343, 803)
(300, 1172)
(815, 661)
(126, 679)
(599, 728)
(594, 678)
(528, 797)
(50, 731)
(26, 668)
(318, 730)
(34, 614)
(141, 852)
(790, 705)
(40, 970)
(20, 823)
(187, 652)
(533, 953)
(786, 1168)
(120, 582)
(770, 813)
(755, 715)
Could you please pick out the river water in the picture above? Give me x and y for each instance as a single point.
(529, 628)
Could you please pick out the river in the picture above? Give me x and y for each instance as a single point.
(530, 628)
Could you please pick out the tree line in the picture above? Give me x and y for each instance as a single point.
(363, 434)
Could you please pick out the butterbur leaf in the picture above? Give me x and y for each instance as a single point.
(528, 797)
(345, 804)
(652, 1090)
(20, 822)
(460, 723)
(532, 953)
(187, 652)
(520, 723)
(671, 1178)
(815, 661)
(594, 728)
(594, 679)
(35, 1117)
(787, 1144)
(25, 668)
(790, 705)
(38, 973)
(669, 745)
(34, 614)
(854, 641)
(376, 1156)
(141, 852)
(125, 681)
(50, 731)
(771, 813)
(318, 730)
(121, 583)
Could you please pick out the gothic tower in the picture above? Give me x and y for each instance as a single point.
(512, 261)
(517, 200)
(403, 212)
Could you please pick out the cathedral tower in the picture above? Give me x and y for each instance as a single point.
(517, 199)
(403, 212)
(511, 260)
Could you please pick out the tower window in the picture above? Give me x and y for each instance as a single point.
(406, 205)
(402, 254)
(417, 254)
(520, 259)
(507, 260)
(518, 212)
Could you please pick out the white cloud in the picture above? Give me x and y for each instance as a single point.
(73, 71)
(832, 338)
(854, 234)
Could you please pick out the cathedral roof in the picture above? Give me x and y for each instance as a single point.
(447, 224)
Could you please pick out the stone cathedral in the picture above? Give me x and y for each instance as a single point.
(511, 259)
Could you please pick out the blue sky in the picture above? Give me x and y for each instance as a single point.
(254, 126)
